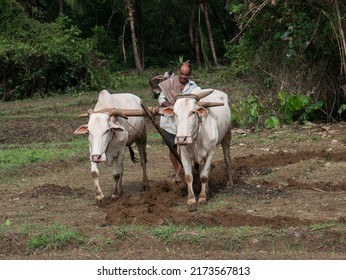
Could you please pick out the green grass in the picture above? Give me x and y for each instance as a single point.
(178, 234)
(13, 157)
(154, 137)
(165, 233)
(323, 226)
(124, 232)
(49, 107)
(55, 236)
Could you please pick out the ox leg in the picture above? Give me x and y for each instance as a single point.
(225, 144)
(191, 199)
(95, 174)
(142, 146)
(202, 199)
(118, 177)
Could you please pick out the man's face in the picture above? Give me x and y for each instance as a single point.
(184, 74)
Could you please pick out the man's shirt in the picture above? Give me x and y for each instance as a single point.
(168, 123)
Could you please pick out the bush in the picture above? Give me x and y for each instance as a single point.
(290, 46)
(297, 107)
(38, 58)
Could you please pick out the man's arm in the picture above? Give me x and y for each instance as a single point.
(163, 100)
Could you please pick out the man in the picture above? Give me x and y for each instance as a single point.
(180, 84)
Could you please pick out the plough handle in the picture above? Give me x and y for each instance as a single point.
(150, 114)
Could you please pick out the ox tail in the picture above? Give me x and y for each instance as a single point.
(132, 155)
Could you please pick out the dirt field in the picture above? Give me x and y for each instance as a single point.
(288, 201)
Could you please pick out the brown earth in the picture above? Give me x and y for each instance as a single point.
(289, 199)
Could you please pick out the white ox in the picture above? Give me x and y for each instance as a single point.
(109, 135)
(199, 131)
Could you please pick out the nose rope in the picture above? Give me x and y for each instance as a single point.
(199, 121)
(197, 126)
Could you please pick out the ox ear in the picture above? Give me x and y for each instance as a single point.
(167, 111)
(83, 129)
(114, 127)
(201, 111)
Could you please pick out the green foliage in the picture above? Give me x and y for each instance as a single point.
(299, 29)
(248, 112)
(36, 57)
(293, 107)
(272, 122)
(291, 45)
(176, 63)
(241, 55)
(342, 109)
(297, 107)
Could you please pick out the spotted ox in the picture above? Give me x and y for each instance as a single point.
(109, 135)
(203, 121)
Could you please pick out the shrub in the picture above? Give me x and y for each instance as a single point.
(38, 58)
(297, 107)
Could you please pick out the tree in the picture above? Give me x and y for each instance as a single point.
(340, 12)
(131, 18)
(205, 7)
(203, 44)
(194, 34)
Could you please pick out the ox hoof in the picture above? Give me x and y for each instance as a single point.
(202, 201)
(192, 207)
(229, 184)
(102, 202)
(145, 188)
(115, 197)
(177, 181)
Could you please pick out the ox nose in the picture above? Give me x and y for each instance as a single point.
(181, 140)
(96, 158)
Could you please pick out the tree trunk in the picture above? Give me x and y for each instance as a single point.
(130, 11)
(61, 6)
(140, 27)
(210, 35)
(194, 38)
(342, 38)
(122, 42)
(114, 10)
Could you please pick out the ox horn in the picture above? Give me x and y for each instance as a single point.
(158, 77)
(90, 111)
(204, 93)
(209, 104)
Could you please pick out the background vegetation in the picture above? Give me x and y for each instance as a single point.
(290, 54)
